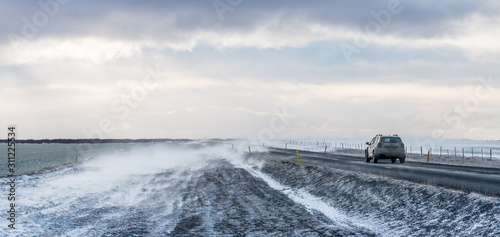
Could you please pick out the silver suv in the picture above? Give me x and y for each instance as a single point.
(385, 147)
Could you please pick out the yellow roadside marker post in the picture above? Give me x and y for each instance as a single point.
(428, 154)
(298, 162)
(249, 151)
(285, 145)
(325, 149)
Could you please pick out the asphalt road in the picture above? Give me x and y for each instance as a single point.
(469, 179)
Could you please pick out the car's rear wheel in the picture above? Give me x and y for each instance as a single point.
(366, 156)
(402, 160)
(393, 160)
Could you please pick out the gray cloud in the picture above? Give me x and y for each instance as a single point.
(175, 19)
(224, 77)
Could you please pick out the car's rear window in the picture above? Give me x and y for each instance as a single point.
(390, 139)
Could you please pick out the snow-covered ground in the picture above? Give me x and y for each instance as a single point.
(392, 207)
(211, 189)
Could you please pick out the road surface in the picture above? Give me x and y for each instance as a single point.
(469, 179)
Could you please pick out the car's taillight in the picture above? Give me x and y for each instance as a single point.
(379, 144)
(402, 145)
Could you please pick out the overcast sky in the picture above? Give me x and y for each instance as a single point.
(250, 68)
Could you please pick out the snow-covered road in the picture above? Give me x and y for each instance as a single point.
(213, 191)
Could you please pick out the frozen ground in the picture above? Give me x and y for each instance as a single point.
(205, 190)
(397, 208)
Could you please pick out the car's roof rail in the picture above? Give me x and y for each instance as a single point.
(395, 135)
(378, 135)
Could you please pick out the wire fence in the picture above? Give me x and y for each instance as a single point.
(456, 152)
(36, 157)
(32, 158)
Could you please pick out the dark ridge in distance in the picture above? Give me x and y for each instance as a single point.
(96, 141)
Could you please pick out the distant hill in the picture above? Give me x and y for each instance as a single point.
(73, 141)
